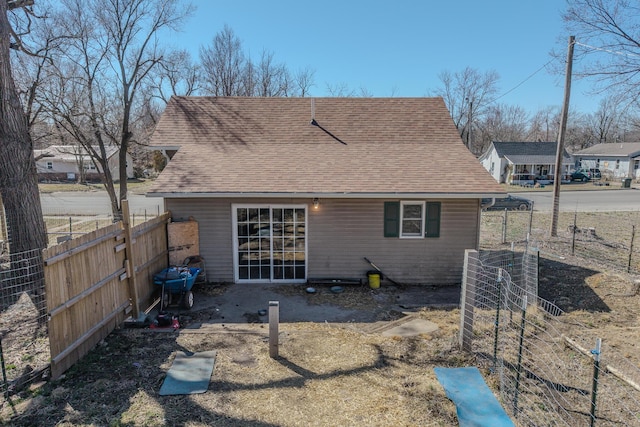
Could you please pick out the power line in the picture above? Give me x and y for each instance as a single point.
(524, 81)
(601, 49)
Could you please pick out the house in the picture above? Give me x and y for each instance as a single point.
(294, 189)
(615, 160)
(63, 162)
(519, 163)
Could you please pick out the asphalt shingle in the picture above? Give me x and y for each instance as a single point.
(368, 146)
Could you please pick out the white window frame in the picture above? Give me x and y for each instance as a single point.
(49, 165)
(422, 219)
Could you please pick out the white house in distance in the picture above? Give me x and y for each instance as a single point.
(62, 163)
(523, 163)
(615, 160)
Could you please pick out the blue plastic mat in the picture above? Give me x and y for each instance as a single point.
(475, 403)
(189, 373)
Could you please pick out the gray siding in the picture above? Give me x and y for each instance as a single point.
(340, 234)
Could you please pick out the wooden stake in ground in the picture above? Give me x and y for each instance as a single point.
(274, 320)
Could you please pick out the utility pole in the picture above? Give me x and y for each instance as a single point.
(561, 133)
(470, 124)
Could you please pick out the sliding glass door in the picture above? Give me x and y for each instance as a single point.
(270, 243)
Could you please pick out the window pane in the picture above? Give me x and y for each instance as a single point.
(242, 214)
(412, 227)
(412, 211)
(412, 222)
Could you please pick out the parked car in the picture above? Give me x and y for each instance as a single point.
(510, 203)
(580, 175)
(585, 175)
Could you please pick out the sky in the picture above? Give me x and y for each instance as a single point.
(400, 48)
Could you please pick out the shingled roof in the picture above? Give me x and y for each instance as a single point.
(343, 147)
(622, 149)
(534, 152)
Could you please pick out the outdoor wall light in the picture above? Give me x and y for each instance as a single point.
(316, 203)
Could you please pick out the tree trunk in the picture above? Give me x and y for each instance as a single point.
(19, 188)
(18, 177)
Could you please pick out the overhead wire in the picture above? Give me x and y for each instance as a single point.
(523, 81)
(601, 49)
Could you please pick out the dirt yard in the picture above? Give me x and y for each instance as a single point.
(327, 374)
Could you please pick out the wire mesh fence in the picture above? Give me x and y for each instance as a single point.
(544, 362)
(24, 343)
(62, 226)
(610, 239)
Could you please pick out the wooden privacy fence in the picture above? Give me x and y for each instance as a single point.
(93, 283)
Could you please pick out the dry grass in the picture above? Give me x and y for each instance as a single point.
(135, 186)
(325, 375)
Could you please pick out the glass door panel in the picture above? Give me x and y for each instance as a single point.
(271, 243)
(254, 243)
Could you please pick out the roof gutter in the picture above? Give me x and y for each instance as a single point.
(329, 195)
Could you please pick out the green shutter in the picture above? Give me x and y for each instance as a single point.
(391, 219)
(432, 226)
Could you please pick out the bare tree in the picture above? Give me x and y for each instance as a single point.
(606, 124)
(467, 94)
(341, 89)
(271, 79)
(544, 125)
(18, 178)
(19, 194)
(501, 123)
(608, 37)
(303, 82)
(176, 74)
(228, 71)
(223, 64)
(101, 71)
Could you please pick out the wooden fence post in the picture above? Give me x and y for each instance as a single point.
(130, 265)
(467, 298)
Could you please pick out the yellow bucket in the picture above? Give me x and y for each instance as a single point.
(374, 279)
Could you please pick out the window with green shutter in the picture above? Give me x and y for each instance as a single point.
(391, 219)
(432, 223)
(412, 219)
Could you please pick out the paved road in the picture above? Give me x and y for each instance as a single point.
(88, 203)
(587, 201)
(63, 203)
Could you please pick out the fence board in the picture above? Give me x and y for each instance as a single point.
(87, 285)
(150, 249)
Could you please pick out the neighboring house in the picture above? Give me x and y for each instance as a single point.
(62, 163)
(615, 160)
(296, 189)
(520, 162)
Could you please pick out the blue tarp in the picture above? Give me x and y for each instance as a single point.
(190, 373)
(475, 403)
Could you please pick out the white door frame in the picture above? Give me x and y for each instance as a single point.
(236, 261)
